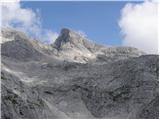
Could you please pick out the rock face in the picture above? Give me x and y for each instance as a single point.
(72, 46)
(76, 78)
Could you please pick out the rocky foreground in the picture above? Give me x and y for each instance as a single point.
(76, 78)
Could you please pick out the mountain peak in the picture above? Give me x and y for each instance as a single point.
(68, 38)
(66, 30)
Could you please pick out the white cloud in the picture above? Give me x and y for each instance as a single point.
(50, 36)
(26, 20)
(139, 25)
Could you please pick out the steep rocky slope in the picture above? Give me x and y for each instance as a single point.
(76, 78)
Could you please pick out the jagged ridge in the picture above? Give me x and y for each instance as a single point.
(69, 46)
(75, 78)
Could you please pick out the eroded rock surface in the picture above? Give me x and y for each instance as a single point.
(76, 78)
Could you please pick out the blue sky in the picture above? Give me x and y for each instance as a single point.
(103, 22)
(99, 20)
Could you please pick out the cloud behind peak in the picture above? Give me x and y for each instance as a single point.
(26, 20)
(138, 25)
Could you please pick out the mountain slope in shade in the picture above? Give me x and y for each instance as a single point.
(76, 78)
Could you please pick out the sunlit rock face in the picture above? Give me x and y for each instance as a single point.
(72, 46)
(76, 78)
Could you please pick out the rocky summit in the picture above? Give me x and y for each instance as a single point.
(76, 78)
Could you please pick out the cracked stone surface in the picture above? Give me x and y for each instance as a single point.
(76, 78)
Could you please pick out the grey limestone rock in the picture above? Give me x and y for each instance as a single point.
(76, 78)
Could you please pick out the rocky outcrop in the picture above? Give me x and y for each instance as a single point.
(43, 81)
(72, 46)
